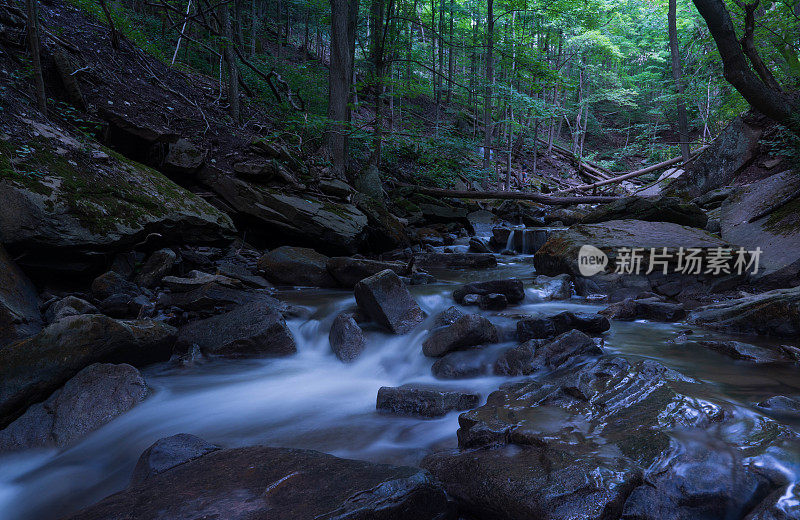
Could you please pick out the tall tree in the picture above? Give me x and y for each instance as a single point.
(230, 62)
(344, 18)
(487, 110)
(377, 39)
(677, 76)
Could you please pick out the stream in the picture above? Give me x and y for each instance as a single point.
(312, 400)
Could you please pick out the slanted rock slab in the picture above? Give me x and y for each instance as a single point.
(385, 298)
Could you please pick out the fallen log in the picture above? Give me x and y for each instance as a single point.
(594, 170)
(509, 195)
(637, 173)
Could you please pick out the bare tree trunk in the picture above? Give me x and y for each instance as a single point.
(677, 76)
(487, 112)
(344, 15)
(230, 60)
(450, 57)
(33, 43)
(376, 17)
(253, 26)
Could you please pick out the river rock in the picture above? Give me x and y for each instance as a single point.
(236, 271)
(493, 302)
(467, 331)
(568, 347)
(346, 338)
(339, 227)
(288, 265)
(517, 361)
(196, 279)
(93, 397)
(256, 328)
(552, 287)
(465, 364)
(651, 309)
(126, 306)
(653, 209)
(781, 504)
(447, 316)
(543, 326)
(749, 353)
(511, 288)
(19, 302)
(277, 483)
(30, 370)
(384, 298)
(111, 283)
(773, 313)
(167, 453)
(781, 404)
(566, 216)
(456, 260)
(69, 306)
(157, 266)
(424, 400)
(476, 245)
(499, 238)
(210, 297)
(349, 271)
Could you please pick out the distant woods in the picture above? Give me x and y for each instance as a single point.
(502, 79)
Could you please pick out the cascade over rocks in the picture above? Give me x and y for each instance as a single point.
(385, 298)
(30, 370)
(252, 483)
(93, 397)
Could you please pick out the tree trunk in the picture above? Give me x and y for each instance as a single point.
(487, 111)
(376, 17)
(511, 195)
(344, 15)
(677, 75)
(230, 60)
(33, 43)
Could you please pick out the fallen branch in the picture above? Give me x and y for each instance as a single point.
(509, 195)
(637, 173)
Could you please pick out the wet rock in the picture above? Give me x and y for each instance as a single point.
(493, 302)
(568, 347)
(260, 482)
(19, 302)
(288, 265)
(447, 316)
(552, 287)
(384, 230)
(467, 331)
(781, 404)
(511, 288)
(476, 245)
(456, 260)
(465, 364)
(110, 283)
(745, 352)
(774, 313)
(782, 504)
(167, 453)
(69, 306)
(207, 298)
(517, 361)
(157, 266)
(384, 298)
(542, 326)
(243, 274)
(346, 338)
(30, 370)
(424, 400)
(653, 209)
(644, 309)
(93, 397)
(256, 328)
(701, 484)
(499, 238)
(420, 278)
(471, 299)
(614, 287)
(349, 271)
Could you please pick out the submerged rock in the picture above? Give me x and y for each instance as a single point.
(256, 328)
(774, 313)
(93, 397)
(467, 331)
(276, 483)
(424, 400)
(346, 338)
(19, 302)
(32, 369)
(511, 288)
(750, 353)
(167, 453)
(542, 326)
(288, 265)
(384, 298)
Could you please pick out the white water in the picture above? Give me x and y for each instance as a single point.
(309, 400)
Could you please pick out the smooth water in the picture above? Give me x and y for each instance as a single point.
(311, 400)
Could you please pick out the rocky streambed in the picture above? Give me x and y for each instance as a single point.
(594, 418)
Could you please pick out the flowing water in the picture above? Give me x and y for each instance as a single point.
(311, 400)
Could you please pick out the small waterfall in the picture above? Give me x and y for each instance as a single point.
(527, 240)
(510, 241)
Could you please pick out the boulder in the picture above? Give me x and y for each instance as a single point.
(544, 326)
(346, 338)
(158, 265)
(467, 331)
(210, 297)
(126, 306)
(110, 283)
(517, 361)
(493, 302)
(32, 369)
(566, 216)
(652, 209)
(476, 245)
(279, 484)
(340, 228)
(69, 306)
(651, 309)
(244, 274)
(19, 302)
(384, 230)
(765, 215)
(499, 238)
(568, 347)
(336, 188)
(552, 287)
(197, 279)
(781, 404)
(349, 271)
(256, 328)
(752, 354)
(289, 265)
(447, 316)
(424, 400)
(385, 299)
(183, 157)
(93, 397)
(773, 313)
(511, 288)
(465, 364)
(167, 453)
(456, 260)
(781, 504)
